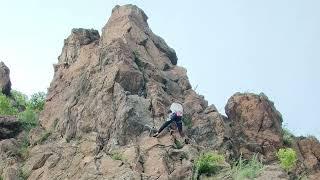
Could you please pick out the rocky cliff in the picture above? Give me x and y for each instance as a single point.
(110, 92)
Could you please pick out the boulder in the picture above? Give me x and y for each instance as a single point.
(309, 150)
(8, 147)
(5, 83)
(10, 127)
(273, 171)
(255, 124)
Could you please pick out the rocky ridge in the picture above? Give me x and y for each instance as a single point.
(108, 94)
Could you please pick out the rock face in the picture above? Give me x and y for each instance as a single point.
(107, 95)
(256, 125)
(5, 83)
(9, 127)
(309, 153)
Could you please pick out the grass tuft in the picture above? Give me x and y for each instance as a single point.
(209, 163)
(116, 156)
(178, 144)
(244, 169)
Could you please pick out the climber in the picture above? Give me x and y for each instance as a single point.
(176, 112)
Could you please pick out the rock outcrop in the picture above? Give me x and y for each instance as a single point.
(9, 158)
(5, 83)
(107, 95)
(255, 124)
(308, 150)
(10, 127)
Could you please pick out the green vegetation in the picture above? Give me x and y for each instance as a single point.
(116, 156)
(246, 169)
(287, 158)
(23, 175)
(6, 107)
(29, 119)
(178, 144)
(1, 178)
(27, 111)
(17, 100)
(187, 120)
(20, 98)
(288, 137)
(30, 108)
(209, 163)
(23, 151)
(37, 101)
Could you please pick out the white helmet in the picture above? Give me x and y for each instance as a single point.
(176, 108)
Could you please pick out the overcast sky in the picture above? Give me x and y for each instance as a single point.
(270, 46)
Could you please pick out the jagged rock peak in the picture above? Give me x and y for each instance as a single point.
(130, 10)
(110, 94)
(129, 23)
(5, 83)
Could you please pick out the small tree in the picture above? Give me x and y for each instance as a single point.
(37, 101)
(29, 119)
(19, 98)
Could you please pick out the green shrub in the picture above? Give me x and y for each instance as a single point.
(29, 119)
(116, 156)
(288, 137)
(246, 169)
(37, 101)
(209, 163)
(1, 178)
(287, 158)
(6, 107)
(20, 98)
(187, 120)
(178, 144)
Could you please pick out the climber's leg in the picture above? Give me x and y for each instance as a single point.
(179, 126)
(162, 127)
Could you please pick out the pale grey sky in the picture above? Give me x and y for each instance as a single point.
(270, 46)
